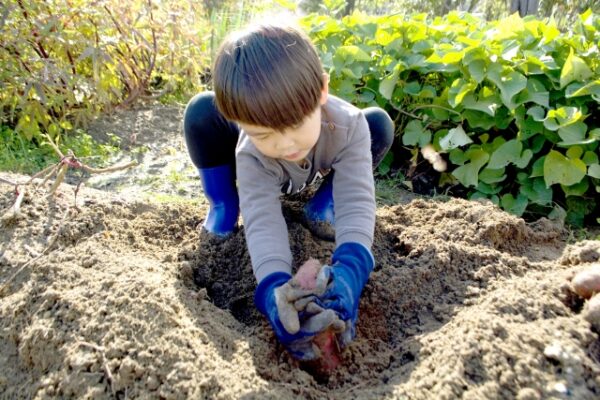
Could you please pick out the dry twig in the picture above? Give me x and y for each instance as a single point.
(109, 376)
(58, 171)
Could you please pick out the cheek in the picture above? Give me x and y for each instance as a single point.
(262, 146)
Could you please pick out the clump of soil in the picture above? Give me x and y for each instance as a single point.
(127, 299)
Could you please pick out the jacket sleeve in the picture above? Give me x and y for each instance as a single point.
(264, 225)
(353, 187)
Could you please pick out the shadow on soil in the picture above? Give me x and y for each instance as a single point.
(431, 259)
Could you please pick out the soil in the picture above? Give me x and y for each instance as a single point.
(103, 295)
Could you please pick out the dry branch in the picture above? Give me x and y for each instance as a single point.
(58, 171)
(109, 376)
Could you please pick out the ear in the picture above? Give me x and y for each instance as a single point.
(325, 89)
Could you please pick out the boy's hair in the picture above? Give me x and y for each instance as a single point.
(268, 76)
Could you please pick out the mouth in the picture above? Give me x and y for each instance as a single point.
(293, 156)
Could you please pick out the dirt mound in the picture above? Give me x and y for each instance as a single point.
(126, 299)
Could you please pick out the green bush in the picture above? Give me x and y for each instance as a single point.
(65, 61)
(511, 105)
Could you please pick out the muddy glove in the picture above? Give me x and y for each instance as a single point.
(294, 315)
(351, 265)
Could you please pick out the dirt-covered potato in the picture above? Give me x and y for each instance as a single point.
(592, 313)
(587, 282)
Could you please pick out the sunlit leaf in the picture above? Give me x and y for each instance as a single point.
(594, 171)
(387, 85)
(456, 137)
(560, 169)
(574, 69)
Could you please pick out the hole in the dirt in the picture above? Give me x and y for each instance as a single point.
(314, 370)
(402, 248)
(571, 300)
(242, 309)
(223, 268)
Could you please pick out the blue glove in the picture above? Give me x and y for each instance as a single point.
(309, 322)
(352, 264)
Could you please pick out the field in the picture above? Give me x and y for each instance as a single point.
(110, 295)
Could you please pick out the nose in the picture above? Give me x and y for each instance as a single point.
(284, 141)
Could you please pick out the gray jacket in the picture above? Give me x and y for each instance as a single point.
(344, 146)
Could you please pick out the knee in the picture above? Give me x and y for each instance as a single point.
(199, 109)
(380, 124)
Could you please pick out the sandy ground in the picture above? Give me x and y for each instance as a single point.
(111, 294)
(109, 298)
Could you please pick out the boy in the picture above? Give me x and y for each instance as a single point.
(272, 124)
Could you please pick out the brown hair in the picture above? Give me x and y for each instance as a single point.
(268, 76)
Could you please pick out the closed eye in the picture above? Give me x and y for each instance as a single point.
(260, 137)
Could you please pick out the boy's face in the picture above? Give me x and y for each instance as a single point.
(291, 144)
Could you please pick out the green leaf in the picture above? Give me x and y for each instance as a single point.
(415, 134)
(560, 169)
(594, 171)
(558, 214)
(590, 158)
(452, 57)
(505, 154)
(509, 82)
(574, 69)
(477, 69)
(459, 89)
(528, 128)
(412, 88)
(455, 137)
(577, 89)
(537, 143)
(523, 161)
(428, 92)
(490, 176)
(574, 152)
(468, 174)
(487, 105)
(385, 165)
(478, 119)
(534, 93)
(537, 113)
(366, 97)
(537, 192)
(488, 189)
(510, 152)
(562, 117)
(573, 134)
(352, 53)
(514, 206)
(457, 157)
(538, 167)
(578, 208)
(388, 84)
(353, 72)
(577, 189)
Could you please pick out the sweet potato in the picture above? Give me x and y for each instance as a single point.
(587, 282)
(592, 311)
(326, 341)
(306, 276)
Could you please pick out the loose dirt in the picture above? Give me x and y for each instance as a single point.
(117, 297)
(126, 299)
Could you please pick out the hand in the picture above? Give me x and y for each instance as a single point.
(352, 265)
(294, 315)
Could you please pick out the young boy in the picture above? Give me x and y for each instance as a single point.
(272, 124)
